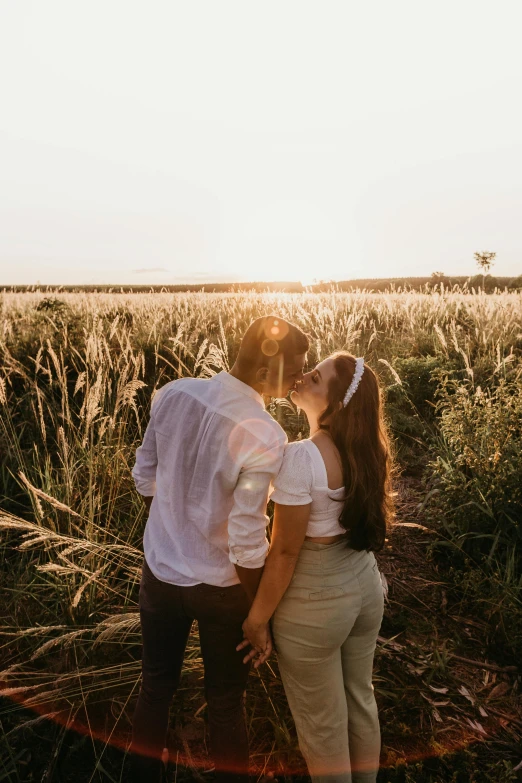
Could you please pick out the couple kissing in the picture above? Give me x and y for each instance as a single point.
(210, 459)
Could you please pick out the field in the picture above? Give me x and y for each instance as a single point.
(77, 372)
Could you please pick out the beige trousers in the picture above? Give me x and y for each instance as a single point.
(325, 630)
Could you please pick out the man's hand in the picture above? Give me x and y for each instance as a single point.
(258, 636)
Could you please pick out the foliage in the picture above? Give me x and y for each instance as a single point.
(475, 495)
(51, 304)
(464, 767)
(515, 284)
(438, 278)
(485, 260)
(76, 378)
(487, 282)
(478, 467)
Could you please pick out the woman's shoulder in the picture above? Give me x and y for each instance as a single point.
(298, 450)
(293, 483)
(297, 453)
(298, 445)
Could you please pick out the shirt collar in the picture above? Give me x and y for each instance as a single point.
(234, 383)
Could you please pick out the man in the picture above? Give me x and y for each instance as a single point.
(204, 468)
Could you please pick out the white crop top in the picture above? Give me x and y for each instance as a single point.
(303, 479)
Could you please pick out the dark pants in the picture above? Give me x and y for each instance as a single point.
(167, 612)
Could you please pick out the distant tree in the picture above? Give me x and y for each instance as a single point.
(439, 277)
(515, 284)
(485, 261)
(487, 282)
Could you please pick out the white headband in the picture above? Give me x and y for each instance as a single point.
(352, 388)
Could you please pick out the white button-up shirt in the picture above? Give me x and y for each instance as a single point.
(209, 455)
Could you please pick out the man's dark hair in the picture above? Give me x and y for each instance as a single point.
(268, 337)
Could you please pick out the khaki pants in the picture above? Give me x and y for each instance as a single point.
(325, 631)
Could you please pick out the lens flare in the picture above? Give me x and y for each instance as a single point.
(276, 329)
(245, 443)
(269, 347)
(108, 734)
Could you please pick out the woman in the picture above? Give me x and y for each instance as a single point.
(321, 585)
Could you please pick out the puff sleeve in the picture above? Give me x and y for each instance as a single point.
(293, 483)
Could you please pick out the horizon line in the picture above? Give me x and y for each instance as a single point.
(222, 283)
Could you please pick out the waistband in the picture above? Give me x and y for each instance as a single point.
(315, 546)
(316, 557)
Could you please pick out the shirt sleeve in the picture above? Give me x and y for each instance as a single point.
(144, 470)
(293, 483)
(247, 521)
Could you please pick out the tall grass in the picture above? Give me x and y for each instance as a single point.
(77, 372)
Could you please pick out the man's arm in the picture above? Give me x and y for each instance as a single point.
(247, 520)
(248, 545)
(144, 470)
(250, 578)
(288, 535)
(247, 523)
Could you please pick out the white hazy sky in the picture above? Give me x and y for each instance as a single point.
(170, 141)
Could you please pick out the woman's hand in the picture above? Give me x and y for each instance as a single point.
(259, 637)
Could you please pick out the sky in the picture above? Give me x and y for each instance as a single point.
(170, 141)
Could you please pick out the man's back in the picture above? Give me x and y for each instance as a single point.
(208, 456)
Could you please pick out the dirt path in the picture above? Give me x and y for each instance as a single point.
(441, 682)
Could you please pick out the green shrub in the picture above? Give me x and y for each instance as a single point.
(515, 284)
(418, 382)
(475, 499)
(478, 470)
(410, 406)
(487, 282)
(52, 304)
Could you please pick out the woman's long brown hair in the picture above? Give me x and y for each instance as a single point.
(359, 432)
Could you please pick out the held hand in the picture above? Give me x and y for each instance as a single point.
(257, 636)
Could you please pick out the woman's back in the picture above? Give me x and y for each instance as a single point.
(331, 458)
(304, 479)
